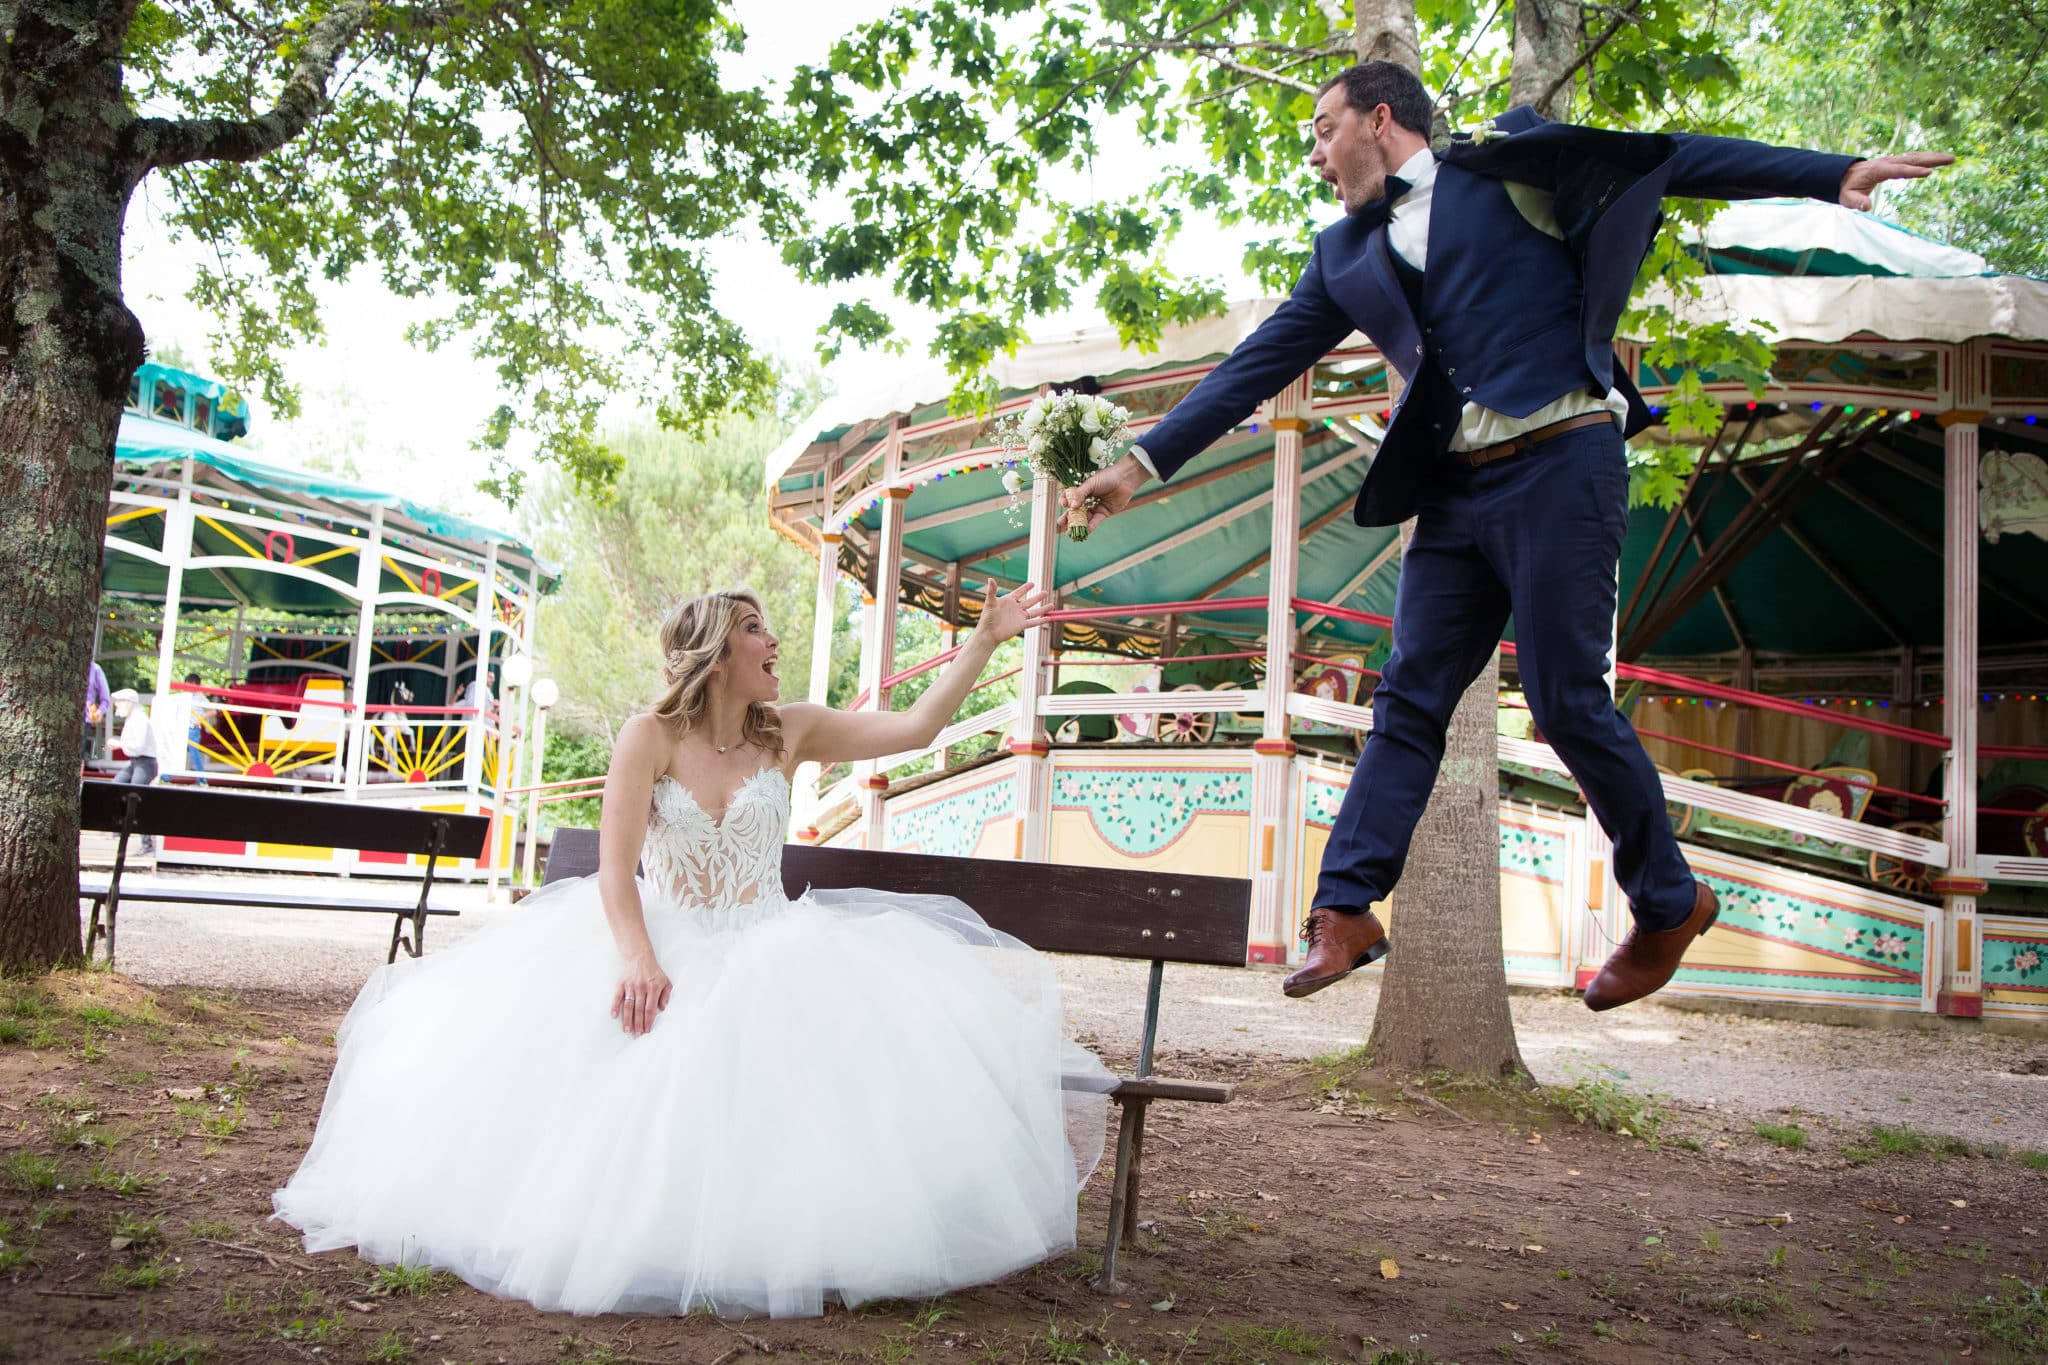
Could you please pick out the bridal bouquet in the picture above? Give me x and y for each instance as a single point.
(1064, 436)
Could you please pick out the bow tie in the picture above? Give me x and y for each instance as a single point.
(1377, 211)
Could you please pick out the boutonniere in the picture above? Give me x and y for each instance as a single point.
(1485, 133)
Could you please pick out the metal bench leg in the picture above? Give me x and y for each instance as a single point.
(417, 944)
(1123, 1188)
(93, 927)
(1134, 1176)
(131, 813)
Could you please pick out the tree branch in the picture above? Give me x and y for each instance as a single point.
(153, 143)
(1620, 20)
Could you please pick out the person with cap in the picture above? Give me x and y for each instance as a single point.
(138, 742)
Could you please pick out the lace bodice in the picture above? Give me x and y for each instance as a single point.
(722, 864)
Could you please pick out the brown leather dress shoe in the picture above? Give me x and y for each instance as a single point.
(1646, 960)
(1338, 945)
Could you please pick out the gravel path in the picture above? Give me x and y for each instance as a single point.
(1940, 1078)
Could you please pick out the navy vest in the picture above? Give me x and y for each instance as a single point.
(1502, 304)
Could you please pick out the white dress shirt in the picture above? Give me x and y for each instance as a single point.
(138, 736)
(1408, 238)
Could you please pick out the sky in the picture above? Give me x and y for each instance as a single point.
(398, 412)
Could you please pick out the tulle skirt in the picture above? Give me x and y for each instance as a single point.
(854, 1095)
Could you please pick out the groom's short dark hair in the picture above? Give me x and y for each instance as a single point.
(1368, 85)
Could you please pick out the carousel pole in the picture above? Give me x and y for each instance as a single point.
(1273, 781)
(177, 549)
(369, 577)
(878, 644)
(1967, 390)
(473, 756)
(949, 633)
(810, 783)
(1027, 745)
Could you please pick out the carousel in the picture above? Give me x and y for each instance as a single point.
(1834, 644)
(296, 632)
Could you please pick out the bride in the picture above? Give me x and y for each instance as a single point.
(687, 1090)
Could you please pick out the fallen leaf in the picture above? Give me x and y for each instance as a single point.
(1123, 1305)
(1389, 1270)
(1900, 1219)
(1535, 1139)
(1511, 1307)
(360, 1306)
(1772, 1220)
(192, 1092)
(1532, 1247)
(120, 1243)
(1756, 1336)
(1441, 1199)
(1163, 1306)
(1960, 1203)
(1571, 1172)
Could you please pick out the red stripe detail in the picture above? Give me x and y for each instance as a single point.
(371, 855)
(237, 847)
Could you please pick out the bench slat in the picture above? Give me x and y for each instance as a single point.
(1099, 912)
(203, 813)
(168, 896)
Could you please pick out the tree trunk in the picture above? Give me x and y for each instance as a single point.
(1549, 36)
(67, 349)
(1444, 998)
(1384, 30)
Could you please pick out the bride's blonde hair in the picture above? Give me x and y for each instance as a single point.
(693, 638)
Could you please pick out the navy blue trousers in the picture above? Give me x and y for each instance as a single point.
(1536, 536)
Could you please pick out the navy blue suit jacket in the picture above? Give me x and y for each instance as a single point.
(1608, 190)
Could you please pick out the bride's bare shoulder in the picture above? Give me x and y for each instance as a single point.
(644, 746)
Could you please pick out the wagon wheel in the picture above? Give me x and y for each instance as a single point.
(1903, 874)
(1683, 817)
(1187, 727)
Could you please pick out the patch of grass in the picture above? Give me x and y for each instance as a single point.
(1225, 1222)
(1063, 1347)
(573, 1351)
(120, 1184)
(318, 1332)
(100, 1016)
(1903, 1141)
(1858, 1156)
(154, 1273)
(224, 1123)
(141, 1232)
(128, 1351)
(218, 1229)
(389, 1350)
(410, 1281)
(26, 1002)
(42, 1216)
(2034, 1161)
(1598, 1102)
(1285, 1340)
(1779, 1255)
(89, 1048)
(1549, 1336)
(1790, 1136)
(2016, 1317)
(12, 1031)
(31, 1171)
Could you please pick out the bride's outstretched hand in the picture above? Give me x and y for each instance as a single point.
(1011, 614)
(643, 993)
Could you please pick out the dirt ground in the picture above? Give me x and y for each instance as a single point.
(144, 1130)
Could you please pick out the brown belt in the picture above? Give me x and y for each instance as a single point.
(1515, 445)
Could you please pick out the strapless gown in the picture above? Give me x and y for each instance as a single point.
(852, 1095)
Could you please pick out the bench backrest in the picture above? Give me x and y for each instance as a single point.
(204, 813)
(1100, 912)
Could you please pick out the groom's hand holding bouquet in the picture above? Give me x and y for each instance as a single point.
(1072, 439)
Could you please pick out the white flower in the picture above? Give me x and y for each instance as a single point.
(1033, 415)
(1013, 481)
(1091, 421)
(1098, 449)
(1119, 414)
(1036, 447)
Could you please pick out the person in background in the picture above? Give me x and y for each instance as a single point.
(97, 699)
(182, 718)
(138, 742)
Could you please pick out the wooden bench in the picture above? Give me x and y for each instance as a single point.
(1090, 912)
(203, 813)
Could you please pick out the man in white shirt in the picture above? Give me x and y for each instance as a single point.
(1491, 279)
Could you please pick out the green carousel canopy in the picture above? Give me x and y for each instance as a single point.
(1867, 317)
(150, 452)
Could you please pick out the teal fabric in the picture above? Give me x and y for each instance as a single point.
(144, 441)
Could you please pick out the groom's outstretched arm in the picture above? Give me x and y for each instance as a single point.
(1298, 334)
(1704, 167)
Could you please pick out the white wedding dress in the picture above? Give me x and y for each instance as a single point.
(852, 1095)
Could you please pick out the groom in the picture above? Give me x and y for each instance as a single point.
(1492, 280)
